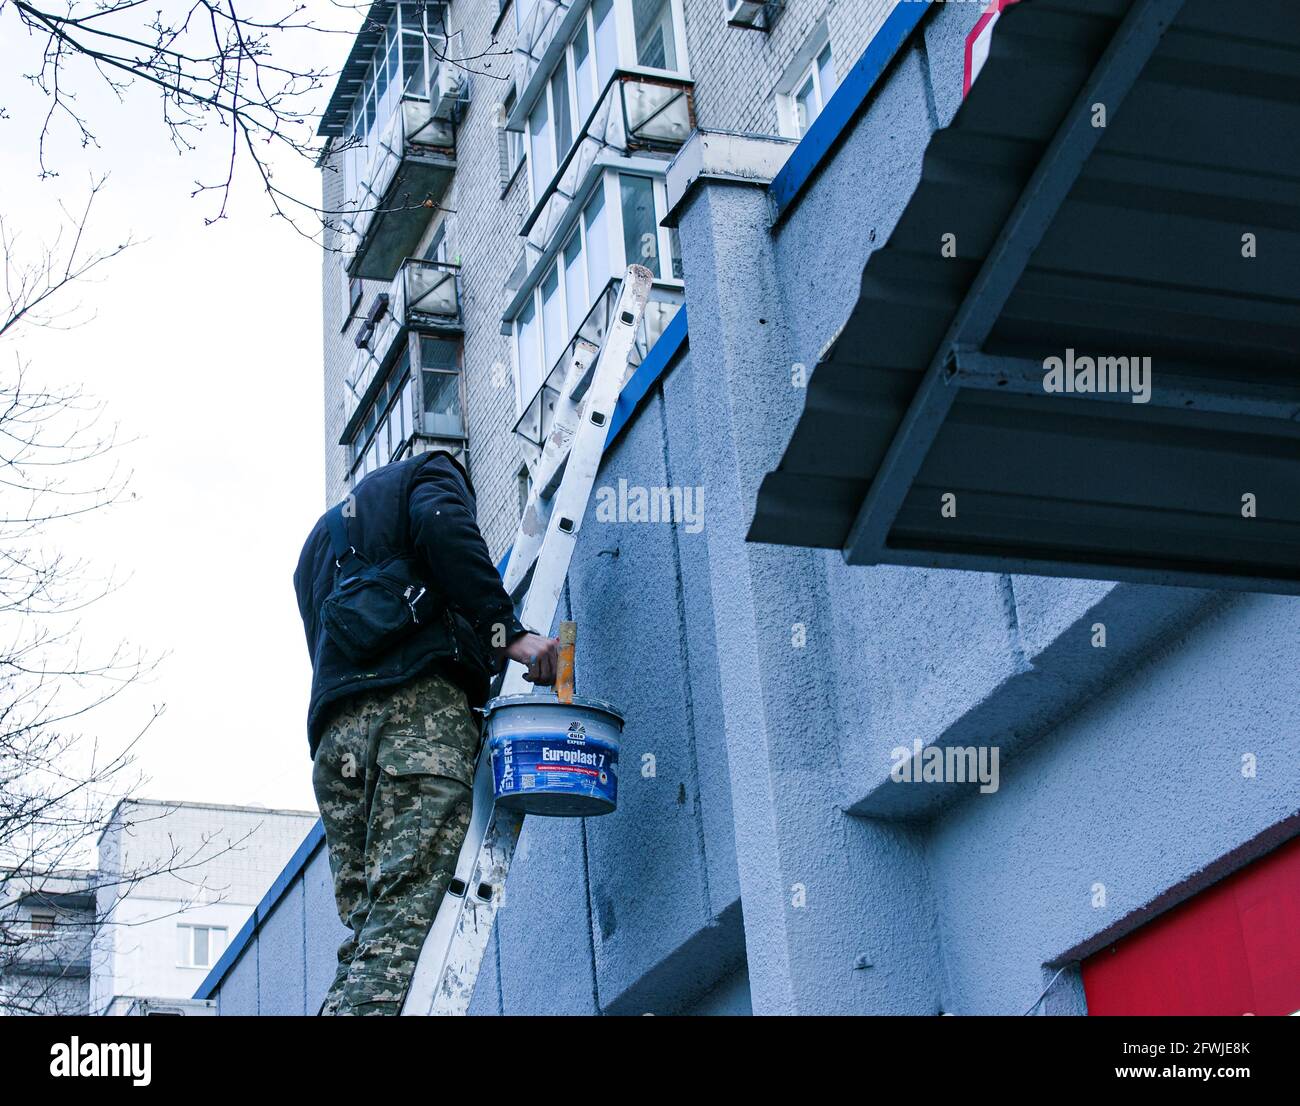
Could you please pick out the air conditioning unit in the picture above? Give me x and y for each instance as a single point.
(451, 92)
(745, 13)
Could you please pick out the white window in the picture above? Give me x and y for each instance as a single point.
(807, 87)
(529, 353)
(596, 228)
(575, 282)
(584, 74)
(201, 946)
(541, 148)
(552, 318)
(385, 433)
(619, 226)
(640, 222)
(510, 150)
(650, 32)
(656, 42)
(606, 35)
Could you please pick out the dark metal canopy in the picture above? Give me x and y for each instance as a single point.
(1172, 232)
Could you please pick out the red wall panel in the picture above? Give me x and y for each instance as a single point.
(1232, 949)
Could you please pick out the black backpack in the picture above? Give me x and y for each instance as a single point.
(372, 607)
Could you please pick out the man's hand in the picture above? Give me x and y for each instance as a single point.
(538, 654)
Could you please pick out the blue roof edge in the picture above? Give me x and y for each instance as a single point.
(848, 100)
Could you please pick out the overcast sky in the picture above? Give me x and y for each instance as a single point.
(206, 347)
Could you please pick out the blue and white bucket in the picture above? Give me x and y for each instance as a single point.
(552, 758)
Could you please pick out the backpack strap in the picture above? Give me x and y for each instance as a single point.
(338, 529)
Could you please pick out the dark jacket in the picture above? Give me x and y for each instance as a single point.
(423, 506)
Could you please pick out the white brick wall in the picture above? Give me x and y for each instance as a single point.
(736, 72)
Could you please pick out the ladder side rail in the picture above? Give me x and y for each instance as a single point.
(452, 954)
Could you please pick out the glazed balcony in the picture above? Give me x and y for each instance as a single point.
(537, 420)
(424, 296)
(394, 185)
(636, 114)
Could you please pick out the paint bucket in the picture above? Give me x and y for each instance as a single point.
(553, 758)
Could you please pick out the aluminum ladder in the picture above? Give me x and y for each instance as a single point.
(563, 477)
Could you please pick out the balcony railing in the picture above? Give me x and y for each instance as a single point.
(388, 206)
(538, 417)
(425, 295)
(62, 950)
(535, 37)
(635, 113)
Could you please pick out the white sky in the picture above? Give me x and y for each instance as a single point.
(206, 346)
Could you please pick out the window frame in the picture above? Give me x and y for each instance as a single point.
(609, 186)
(188, 960)
(805, 67)
(625, 46)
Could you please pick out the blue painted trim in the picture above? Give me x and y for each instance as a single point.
(848, 100)
(661, 356)
(288, 875)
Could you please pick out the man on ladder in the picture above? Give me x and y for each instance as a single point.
(406, 622)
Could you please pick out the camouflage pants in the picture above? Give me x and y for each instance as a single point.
(392, 777)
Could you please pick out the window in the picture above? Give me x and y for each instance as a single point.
(41, 923)
(640, 226)
(530, 354)
(355, 290)
(552, 318)
(437, 248)
(201, 946)
(541, 149)
(810, 87)
(594, 251)
(524, 483)
(597, 231)
(584, 74)
(585, 66)
(575, 283)
(563, 116)
(386, 431)
(653, 26)
(602, 17)
(405, 59)
(510, 144)
(440, 388)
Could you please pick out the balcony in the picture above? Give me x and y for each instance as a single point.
(423, 296)
(392, 194)
(537, 42)
(635, 114)
(537, 420)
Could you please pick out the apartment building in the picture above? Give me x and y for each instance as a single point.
(970, 695)
(48, 919)
(539, 136)
(175, 883)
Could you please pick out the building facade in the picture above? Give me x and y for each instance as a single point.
(175, 883)
(867, 768)
(48, 921)
(135, 936)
